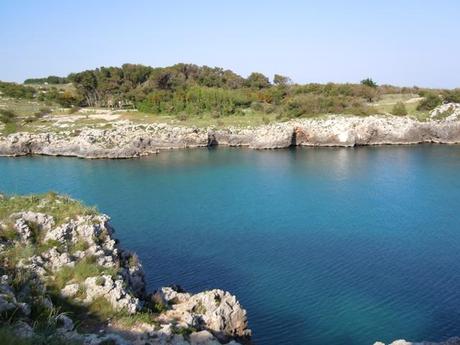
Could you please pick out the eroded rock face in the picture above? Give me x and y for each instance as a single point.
(113, 290)
(127, 140)
(124, 140)
(217, 311)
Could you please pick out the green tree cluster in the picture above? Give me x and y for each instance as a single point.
(188, 89)
(52, 79)
(16, 90)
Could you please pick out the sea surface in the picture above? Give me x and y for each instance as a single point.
(321, 245)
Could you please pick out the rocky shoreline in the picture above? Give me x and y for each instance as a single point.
(124, 139)
(62, 271)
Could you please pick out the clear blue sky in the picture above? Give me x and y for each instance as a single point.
(405, 42)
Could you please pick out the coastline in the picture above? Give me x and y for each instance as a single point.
(64, 271)
(126, 139)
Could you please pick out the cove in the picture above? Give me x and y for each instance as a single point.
(320, 245)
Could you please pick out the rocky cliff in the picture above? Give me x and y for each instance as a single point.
(125, 140)
(64, 277)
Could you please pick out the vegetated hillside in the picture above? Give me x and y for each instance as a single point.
(187, 90)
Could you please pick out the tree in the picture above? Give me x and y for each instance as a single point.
(369, 93)
(86, 84)
(257, 81)
(369, 82)
(281, 80)
(136, 74)
(232, 80)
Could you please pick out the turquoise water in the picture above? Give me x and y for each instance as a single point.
(322, 246)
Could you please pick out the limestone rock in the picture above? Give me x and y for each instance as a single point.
(70, 290)
(216, 311)
(169, 295)
(203, 338)
(56, 260)
(127, 140)
(113, 291)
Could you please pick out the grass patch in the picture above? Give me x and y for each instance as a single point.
(43, 247)
(14, 254)
(59, 207)
(83, 269)
(9, 337)
(101, 308)
(80, 245)
(140, 317)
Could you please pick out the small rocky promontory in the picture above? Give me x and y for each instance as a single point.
(65, 279)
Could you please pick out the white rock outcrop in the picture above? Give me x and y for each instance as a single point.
(126, 140)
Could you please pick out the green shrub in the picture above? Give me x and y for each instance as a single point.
(16, 90)
(452, 96)
(399, 109)
(429, 102)
(311, 105)
(195, 100)
(7, 116)
(50, 80)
